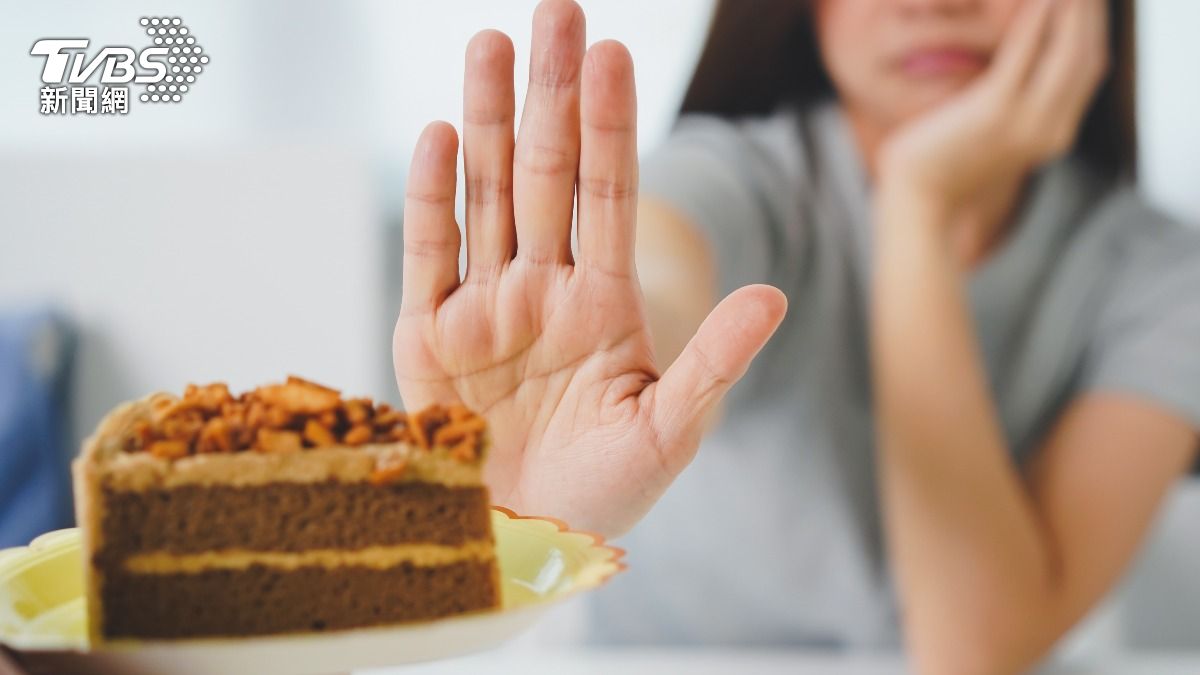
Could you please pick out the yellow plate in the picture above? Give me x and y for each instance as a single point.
(42, 613)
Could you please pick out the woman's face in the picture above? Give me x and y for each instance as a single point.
(893, 59)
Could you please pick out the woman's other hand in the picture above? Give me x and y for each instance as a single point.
(1025, 110)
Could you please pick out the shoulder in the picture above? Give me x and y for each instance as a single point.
(1149, 251)
(1147, 326)
(742, 181)
(766, 144)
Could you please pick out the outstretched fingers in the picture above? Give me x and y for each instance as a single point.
(608, 171)
(715, 358)
(431, 237)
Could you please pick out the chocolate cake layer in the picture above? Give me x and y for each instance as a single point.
(260, 600)
(290, 517)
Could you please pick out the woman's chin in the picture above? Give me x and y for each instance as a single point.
(917, 97)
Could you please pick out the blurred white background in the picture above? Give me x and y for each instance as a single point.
(250, 231)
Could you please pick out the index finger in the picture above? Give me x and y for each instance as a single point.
(1019, 48)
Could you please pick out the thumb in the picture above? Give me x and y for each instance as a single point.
(714, 359)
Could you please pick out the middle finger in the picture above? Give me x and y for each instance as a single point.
(547, 150)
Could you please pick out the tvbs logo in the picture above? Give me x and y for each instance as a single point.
(167, 69)
(117, 63)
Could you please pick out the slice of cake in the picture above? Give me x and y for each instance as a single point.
(284, 509)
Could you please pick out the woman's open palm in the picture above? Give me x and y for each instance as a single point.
(553, 349)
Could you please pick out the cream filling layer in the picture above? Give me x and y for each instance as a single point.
(376, 557)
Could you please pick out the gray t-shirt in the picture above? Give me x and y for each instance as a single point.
(772, 536)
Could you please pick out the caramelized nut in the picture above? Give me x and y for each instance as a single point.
(277, 418)
(209, 397)
(256, 414)
(453, 432)
(271, 441)
(358, 410)
(168, 449)
(386, 420)
(318, 435)
(328, 419)
(297, 380)
(287, 417)
(299, 397)
(401, 435)
(182, 426)
(465, 450)
(215, 437)
(141, 434)
(424, 423)
(357, 435)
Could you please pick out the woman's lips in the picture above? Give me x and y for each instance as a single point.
(942, 61)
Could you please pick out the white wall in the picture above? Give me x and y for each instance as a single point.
(1169, 103)
(238, 266)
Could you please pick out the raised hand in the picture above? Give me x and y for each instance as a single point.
(552, 349)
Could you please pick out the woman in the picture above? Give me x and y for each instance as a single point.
(984, 374)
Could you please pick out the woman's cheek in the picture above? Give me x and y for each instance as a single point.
(864, 81)
(1001, 13)
(846, 36)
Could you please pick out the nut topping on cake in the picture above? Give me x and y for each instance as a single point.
(295, 416)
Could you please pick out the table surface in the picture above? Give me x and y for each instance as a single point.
(704, 661)
(701, 661)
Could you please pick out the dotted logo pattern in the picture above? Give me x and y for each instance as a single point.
(185, 60)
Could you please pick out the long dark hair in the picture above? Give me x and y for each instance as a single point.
(761, 53)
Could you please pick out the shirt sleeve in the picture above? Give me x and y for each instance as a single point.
(737, 181)
(1148, 338)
